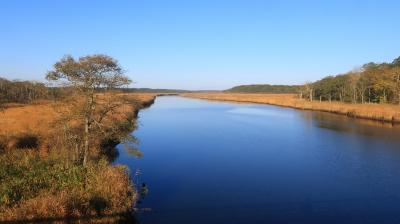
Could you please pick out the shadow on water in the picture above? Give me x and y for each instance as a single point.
(108, 149)
(340, 123)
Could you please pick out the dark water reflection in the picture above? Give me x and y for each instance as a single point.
(369, 128)
(213, 162)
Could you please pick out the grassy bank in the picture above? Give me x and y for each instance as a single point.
(40, 182)
(378, 112)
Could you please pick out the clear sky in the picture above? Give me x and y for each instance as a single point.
(204, 44)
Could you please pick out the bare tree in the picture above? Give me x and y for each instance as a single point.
(309, 90)
(89, 76)
(353, 81)
(21, 91)
(396, 85)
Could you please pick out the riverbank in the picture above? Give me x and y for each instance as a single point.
(40, 180)
(378, 112)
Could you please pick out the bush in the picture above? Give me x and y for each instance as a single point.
(52, 189)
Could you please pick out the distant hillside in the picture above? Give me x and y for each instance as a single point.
(264, 88)
(149, 90)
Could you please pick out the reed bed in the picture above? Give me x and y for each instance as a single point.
(38, 117)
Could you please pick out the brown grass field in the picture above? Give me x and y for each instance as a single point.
(38, 117)
(378, 112)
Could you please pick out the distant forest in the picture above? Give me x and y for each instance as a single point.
(372, 82)
(17, 91)
(149, 90)
(265, 88)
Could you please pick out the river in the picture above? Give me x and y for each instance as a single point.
(219, 162)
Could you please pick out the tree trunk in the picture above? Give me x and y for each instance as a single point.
(88, 120)
(362, 98)
(384, 96)
(398, 85)
(399, 98)
(320, 99)
(369, 95)
(86, 140)
(311, 95)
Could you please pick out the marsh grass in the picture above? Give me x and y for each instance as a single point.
(35, 187)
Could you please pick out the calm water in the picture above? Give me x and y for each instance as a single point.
(215, 162)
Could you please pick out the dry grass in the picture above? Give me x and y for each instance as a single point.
(379, 112)
(48, 190)
(38, 117)
(45, 185)
(19, 120)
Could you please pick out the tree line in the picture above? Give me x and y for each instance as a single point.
(371, 83)
(264, 88)
(17, 91)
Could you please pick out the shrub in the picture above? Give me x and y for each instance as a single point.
(51, 189)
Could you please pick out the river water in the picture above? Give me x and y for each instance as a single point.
(218, 162)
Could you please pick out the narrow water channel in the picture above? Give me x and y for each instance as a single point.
(218, 162)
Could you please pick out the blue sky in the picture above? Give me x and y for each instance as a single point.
(205, 44)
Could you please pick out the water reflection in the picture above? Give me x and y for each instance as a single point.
(108, 149)
(340, 123)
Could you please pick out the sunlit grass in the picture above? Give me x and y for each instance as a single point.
(380, 112)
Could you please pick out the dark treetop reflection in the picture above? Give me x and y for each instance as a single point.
(213, 162)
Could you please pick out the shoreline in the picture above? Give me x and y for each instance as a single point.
(358, 111)
(150, 102)
(136, 109)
